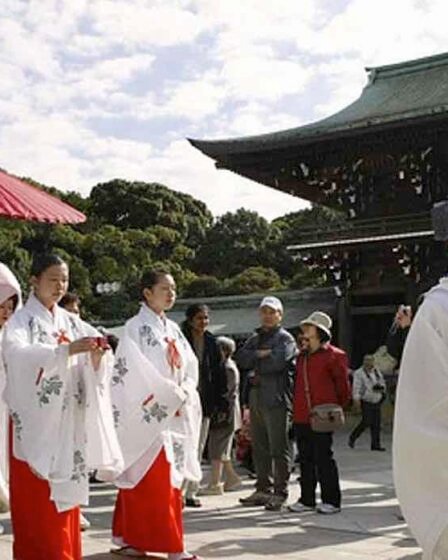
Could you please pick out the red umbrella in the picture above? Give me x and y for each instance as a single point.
(22, 201)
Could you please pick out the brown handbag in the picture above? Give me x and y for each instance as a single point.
(323, 417)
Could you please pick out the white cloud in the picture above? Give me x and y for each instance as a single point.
(382, 32)
(53, 19)
(64, 63)
(27, 51)
(345, 77)
(141, 23)
(241, 25)
(256, 77)
(195, 100)
(187, 170)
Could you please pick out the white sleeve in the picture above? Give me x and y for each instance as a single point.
(37, 376)
(358, 385)
(381, 378)
(19, 353)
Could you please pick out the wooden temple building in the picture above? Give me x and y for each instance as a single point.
(383, 160)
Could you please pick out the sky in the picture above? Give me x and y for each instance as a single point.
(93, 90)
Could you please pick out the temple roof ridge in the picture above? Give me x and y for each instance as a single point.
(395, 95)
(408, 66)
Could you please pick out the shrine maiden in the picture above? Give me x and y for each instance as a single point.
(158, 418)
(421, 426)
(57, 391)
(10, 299)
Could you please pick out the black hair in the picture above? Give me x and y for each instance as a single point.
(113, 341)
(190, 313)
(195, 308)
(42, 262)
(152, 277)
(70, 297)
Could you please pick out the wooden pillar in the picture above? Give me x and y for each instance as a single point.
(344, 319)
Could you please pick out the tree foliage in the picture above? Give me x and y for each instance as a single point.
(255, 279)
(308, 218)
(133, 226)
(235, 242)
(204, 286)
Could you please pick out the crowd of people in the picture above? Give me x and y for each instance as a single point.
(142, 413)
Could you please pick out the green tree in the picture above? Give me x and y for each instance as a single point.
(203, 286)
(235, 242)
(141, 205)
(254, 280)
(316, 217)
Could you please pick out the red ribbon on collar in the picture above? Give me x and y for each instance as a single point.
(173, 355)
(61, 337)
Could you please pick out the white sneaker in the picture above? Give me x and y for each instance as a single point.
(298, 507)
(84, 522)
(327, 509)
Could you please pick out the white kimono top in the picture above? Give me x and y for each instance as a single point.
(9, 286)
(60, 406)
(420, 444)
(155, 399)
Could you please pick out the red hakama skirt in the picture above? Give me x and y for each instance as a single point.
(149, 516)
(40, 531)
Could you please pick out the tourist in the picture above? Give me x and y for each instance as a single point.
(223, 427)
(59, 403)
(269, 355)
(71, 302)
(369, 391)
(212, 385)
(10, 299)
(322, 378)
(396, 337)
(158, 418)
(395, 341)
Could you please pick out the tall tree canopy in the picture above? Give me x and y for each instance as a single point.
(235, 242)
(133, 226)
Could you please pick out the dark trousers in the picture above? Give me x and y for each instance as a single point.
(269, 428)
(371, 418)
(317, 466)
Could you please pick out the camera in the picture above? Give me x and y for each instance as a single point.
(378, 388)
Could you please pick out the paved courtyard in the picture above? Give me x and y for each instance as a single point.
(367, 528)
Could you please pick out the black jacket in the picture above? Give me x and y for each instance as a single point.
(275, 372)
(396, 339)
(212, 375)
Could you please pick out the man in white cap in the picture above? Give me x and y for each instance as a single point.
(322, 372)
(269, 355)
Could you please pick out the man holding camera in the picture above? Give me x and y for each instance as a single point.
(369, 390)
(398, 332)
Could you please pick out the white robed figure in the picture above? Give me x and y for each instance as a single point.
(420, 443)
(58, 394)
(10, 299)
(158, 417)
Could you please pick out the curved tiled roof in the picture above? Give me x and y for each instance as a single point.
(411, 90)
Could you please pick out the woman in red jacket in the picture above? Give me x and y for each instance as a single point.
(327, 371)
